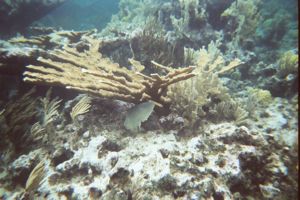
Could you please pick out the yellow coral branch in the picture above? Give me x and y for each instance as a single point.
(90, 72)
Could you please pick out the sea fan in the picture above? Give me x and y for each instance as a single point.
(49, 108)
(81, 107)
(35, 178)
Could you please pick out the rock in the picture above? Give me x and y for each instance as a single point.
(60, 155)
(167, 183)
(242, 135)
(221, 161)
(164, 153)
(66, 192)
(95, 193)
(108, 145)
(269, 191)
(116, 195)
(22, 166)
(120, 177)
(86, 134)
(198, 159)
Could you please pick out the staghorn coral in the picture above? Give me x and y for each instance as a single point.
(90, 72)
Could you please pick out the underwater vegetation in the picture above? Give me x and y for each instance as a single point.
(174, 99)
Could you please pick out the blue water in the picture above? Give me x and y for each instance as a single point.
(81, 14)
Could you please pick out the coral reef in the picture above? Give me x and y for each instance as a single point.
(80, 108)
(262, 97)
(224, 161)
(288, 64)
(198, 101)
(243, 18)
(102, 77)
(198, 97)
(16, 120)
(280, 78)
(18, 52)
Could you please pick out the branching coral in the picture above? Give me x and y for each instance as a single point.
(90, 72)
